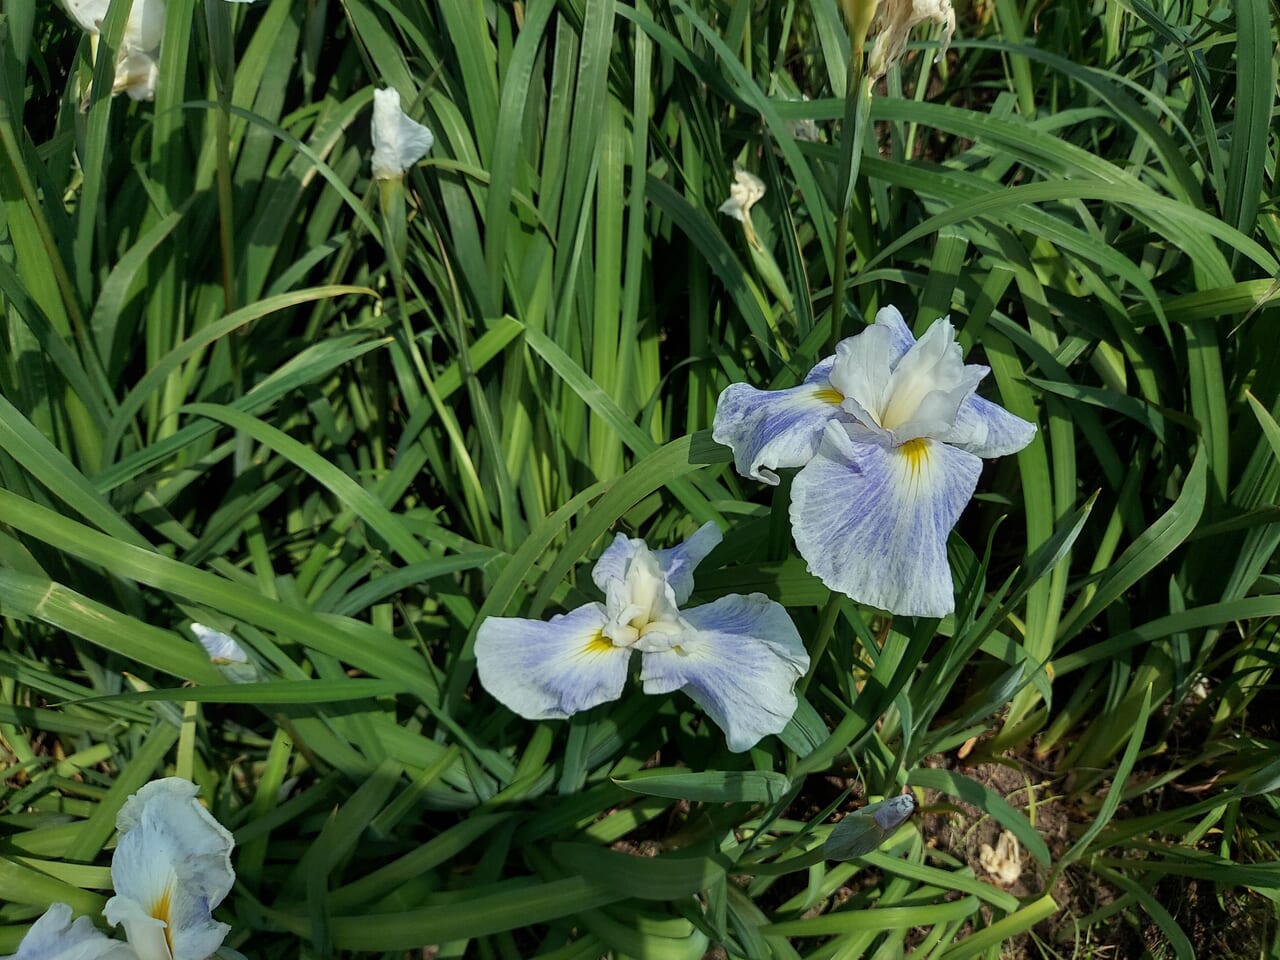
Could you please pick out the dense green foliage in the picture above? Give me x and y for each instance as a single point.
(241, 385)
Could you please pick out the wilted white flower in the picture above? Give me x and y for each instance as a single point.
(896, 19)
(137, 59)
(746, 191)
(398, 141)
(171, 868)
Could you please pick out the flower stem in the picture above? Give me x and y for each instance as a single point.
(853, 132)
(826, 627)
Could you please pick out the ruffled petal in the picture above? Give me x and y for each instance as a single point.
(872, 520)
(987, 429)
(772, 429)
(554, 669)
(398, 141)
(739, 660)
(676, 563)
(862, 372)
(56, 937)
(901, 339)
(928, 385)
(171, 868)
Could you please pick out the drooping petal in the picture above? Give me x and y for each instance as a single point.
(773, 429)
(676, 563)
(739, 661)
(171, 868)
(872, 520)
(56, 937)
(553, 669)
(88, 14)
(136, 75)
(987, 429)
(896, 19)
(225, 654)
(398, 141)
(145, 29)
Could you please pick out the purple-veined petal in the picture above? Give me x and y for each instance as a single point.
(676, 563)
(549, 670)
(987, 429)
(772, 429)
(739, 661)
(872, 520)
(56, 937)
(171, 868)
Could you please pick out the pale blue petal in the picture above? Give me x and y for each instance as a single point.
(171, 868)
(902, 339)
(987, 429)
(872, 521)
(549, 670)
(612, 564)
(772, 429)
(676, 563)
(56, 937)
(739, 661)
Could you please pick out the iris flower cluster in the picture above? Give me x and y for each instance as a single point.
(889, 435)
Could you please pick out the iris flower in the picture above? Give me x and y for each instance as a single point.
(889, 435)
(398, 141)
(136, 60)
(737, 657)
(171, 868)
(55, 937)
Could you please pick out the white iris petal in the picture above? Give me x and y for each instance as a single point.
(56, 937)
(398, 141)
(171, 868)
(225, 654)
(137, 59)
(886, 468)
(738, 657)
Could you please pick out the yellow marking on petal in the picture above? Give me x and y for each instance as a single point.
(160, 910)
(917, 453)
(598, 644)
(830, 395)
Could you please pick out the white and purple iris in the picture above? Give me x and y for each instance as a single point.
(171, 868)
(889, 435)
(738, 657)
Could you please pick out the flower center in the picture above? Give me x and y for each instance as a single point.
(917, 453)
(160, 910)
(641, 612)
